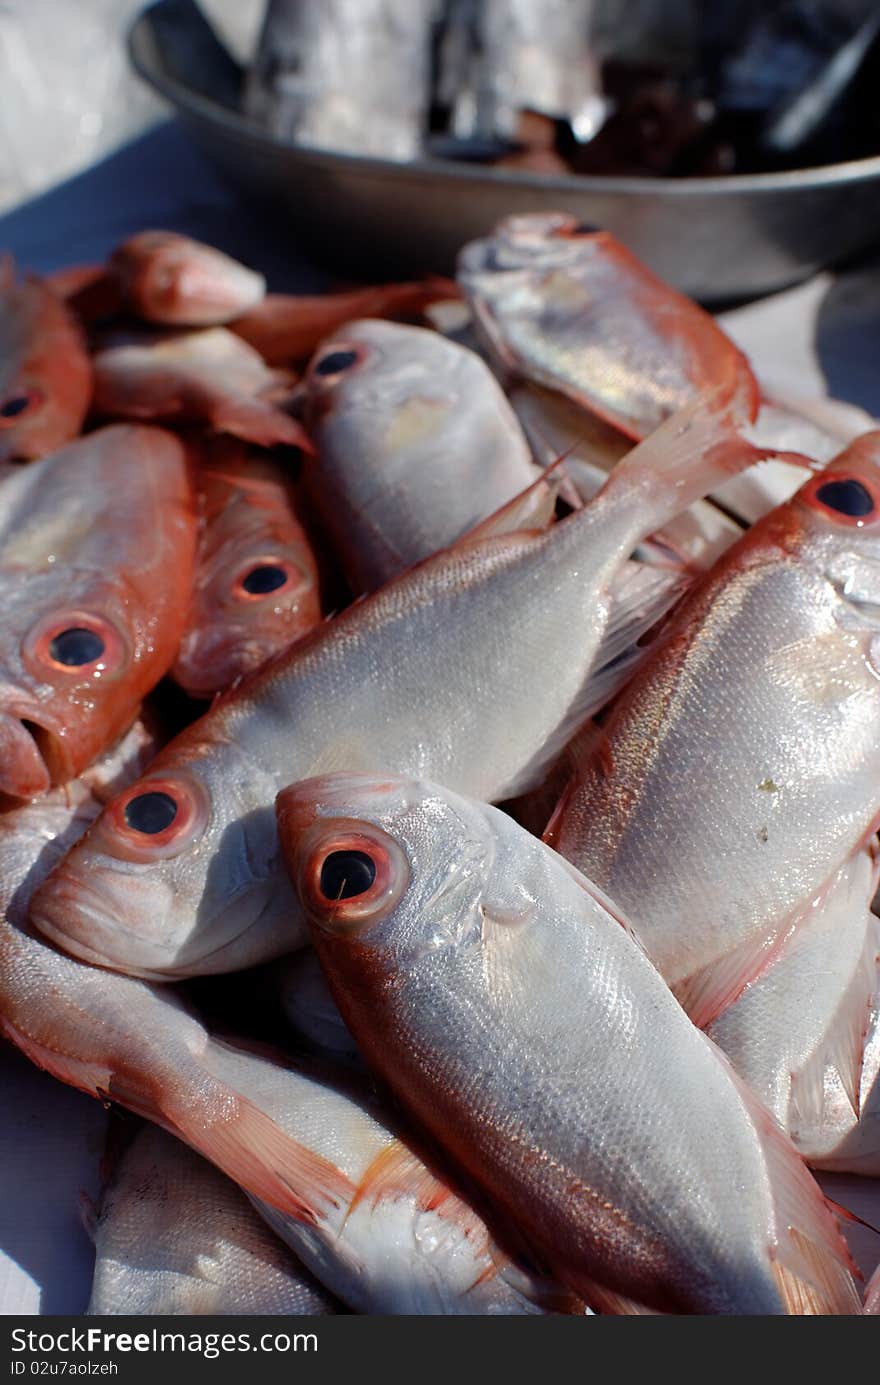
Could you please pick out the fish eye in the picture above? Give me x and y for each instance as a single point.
(156, 817)
(335, 362)
(265, 576)
(76, 643)
(150, 813)
(21, 402)
(351, 876)
(346, 874)
(76, 646)
(846, 496)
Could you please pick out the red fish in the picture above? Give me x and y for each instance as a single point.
(45, 376)
(207, 376)
(97, 544)
(285, 328)
(168, 278)
(256, 588)
(570, 307)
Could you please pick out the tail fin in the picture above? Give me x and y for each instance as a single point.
(809, 1258)
(689, 455)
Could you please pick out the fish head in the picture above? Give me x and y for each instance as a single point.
(45, 376)
(834, 521)
(171, 279)
(530, 241)
(390, 868)
(67, 646)
(257, 584)
(179, 876)
(380, 369)
(93, 575)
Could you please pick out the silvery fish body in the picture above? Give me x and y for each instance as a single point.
(803, 1033)
(172, 1235)
(474, 666)
(521, 1026)
(540, 57)
(738, 771)
(416, 444)
(346, 75)
(568, 306)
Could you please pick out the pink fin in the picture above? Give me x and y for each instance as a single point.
(245, 1143)
(810, 1261)
(533, 509)
(397, 1171)
(707, 993)
(690, 454)
(256, 420)
(258, 1155)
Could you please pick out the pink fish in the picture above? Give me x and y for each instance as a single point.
(256, 585)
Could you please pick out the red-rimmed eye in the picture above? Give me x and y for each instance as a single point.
(77, 643)
(351, 877)
(264, 577)
(19, 403)
(336, 360)
(156, 817)
(847, 499)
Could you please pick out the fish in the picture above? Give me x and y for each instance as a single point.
(256, 584)
(338, 1181)
(433, 672)
(569, 307)
(287, 328)
(172, 1235)
(207, 376)
(415, 445)
(540, 57)
(737, 772)
(509, 1007)
(872, 1293)
(97, 548)
(381, 1226)
(45, 374)
(800, 1033)
(556, 427)
(172, 279)
(343, 76)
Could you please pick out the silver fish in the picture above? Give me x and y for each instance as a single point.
(416, 445)
(172, 1235)
(512, 1012)
(347, 75)
(476, 665)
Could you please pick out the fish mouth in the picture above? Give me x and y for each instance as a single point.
(32, 758)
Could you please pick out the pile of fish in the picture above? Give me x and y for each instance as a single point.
(451, 828)
(650, 88)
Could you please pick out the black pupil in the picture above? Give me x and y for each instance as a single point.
(336, 361)
(150, 812)
(265, 578)
(345, 874)
(13, 407)
(846, 497)
(583, 228)
(77, 646)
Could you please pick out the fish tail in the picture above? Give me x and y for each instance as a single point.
(808, 1255)
(693, 452)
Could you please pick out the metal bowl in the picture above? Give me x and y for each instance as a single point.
(717, 239)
